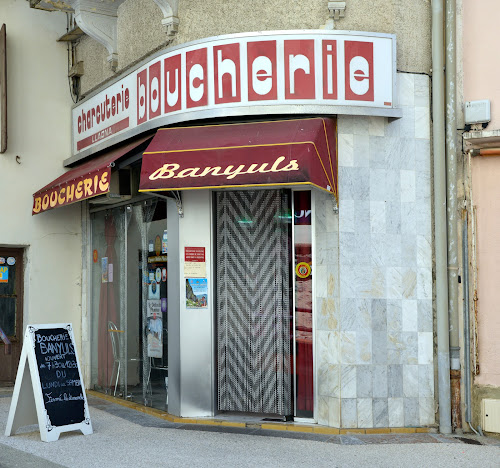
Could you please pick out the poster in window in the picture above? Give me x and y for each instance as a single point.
(196, 293)
(154, 329)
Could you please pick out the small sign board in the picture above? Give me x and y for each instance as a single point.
(49, 389)
(194, 262)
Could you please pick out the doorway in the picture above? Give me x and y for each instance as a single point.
(11, 310)
(254, 301)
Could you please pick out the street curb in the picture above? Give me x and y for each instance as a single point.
(292, 427)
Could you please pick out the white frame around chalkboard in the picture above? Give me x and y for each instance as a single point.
(27, 406)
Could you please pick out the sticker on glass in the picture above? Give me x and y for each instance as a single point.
(4, 274)
(11, 261)
(158, 275)
(303, 270)
(2, 260)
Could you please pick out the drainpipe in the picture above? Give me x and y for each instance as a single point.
(451, 180)
(443, 336)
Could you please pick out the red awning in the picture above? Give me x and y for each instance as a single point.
(287, 152)
(87, 180)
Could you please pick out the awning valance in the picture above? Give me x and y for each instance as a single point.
(87, 180)
(287, 152)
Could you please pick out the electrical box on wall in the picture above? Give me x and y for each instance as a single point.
(491, 415)
(477, 112)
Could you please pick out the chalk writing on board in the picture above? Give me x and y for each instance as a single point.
(60, 379)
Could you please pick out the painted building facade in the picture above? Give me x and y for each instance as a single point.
(482, 164)
(41, 258)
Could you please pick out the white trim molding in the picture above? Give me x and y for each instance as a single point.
(99, 20)
(170, 20)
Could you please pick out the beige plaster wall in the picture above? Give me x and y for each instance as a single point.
(486, 193)
(39, 133)
(140, 30)
(480, 62)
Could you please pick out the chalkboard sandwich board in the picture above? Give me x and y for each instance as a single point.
(49, 389)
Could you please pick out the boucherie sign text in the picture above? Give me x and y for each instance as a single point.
(246, 74)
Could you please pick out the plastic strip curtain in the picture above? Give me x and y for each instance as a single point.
(253, 301)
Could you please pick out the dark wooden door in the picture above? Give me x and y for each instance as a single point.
(11, 310)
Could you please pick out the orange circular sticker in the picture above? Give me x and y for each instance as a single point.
(303, 270)
(94, 256)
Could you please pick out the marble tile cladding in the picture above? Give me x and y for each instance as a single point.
(321, 280)
(377, 217)
(334, 414)
(425, 318)
(421, 91)
(422, 156)
(406, 88)
(362, 216)
(348, 381)
(380, 412)
(327, 317)
(348, 347)
(411, 412)
(381, 319)
(425, 380)
(365, 412)
(408, 123)
(349, 413)
(361, 150)
(424, 251)
(408, 192)
(425, 348)
(410, 317)
(364, 347)
(376, 126)
(385, 185)
(345, 150)
(396, 412)
(422, 123)
(410, 381)
(379, 314)
(364, 384)
(395, 380)
(392, 217)
(346, 221)
(323, 411)
(354, 183)
(427, 411)
(379, 381)
(379, 347)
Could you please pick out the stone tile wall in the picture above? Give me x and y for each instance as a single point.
(380, 345)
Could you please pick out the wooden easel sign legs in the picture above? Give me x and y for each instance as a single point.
(49, 388)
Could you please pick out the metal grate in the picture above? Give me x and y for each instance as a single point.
(253, 304)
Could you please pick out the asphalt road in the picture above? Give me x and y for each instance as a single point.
(127, 438)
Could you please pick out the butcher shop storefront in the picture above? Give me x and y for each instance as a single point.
(249, 229)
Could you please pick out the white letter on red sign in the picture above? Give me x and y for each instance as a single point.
(227, 73)
(329, 69)
(261, 65)
(359, 71)
(172, 70)
(154, 90)
(299, 69)
(142, 96)
(196, 66)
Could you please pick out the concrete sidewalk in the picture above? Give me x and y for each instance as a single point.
(126, 437)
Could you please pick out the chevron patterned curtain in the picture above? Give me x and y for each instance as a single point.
(253, 301)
